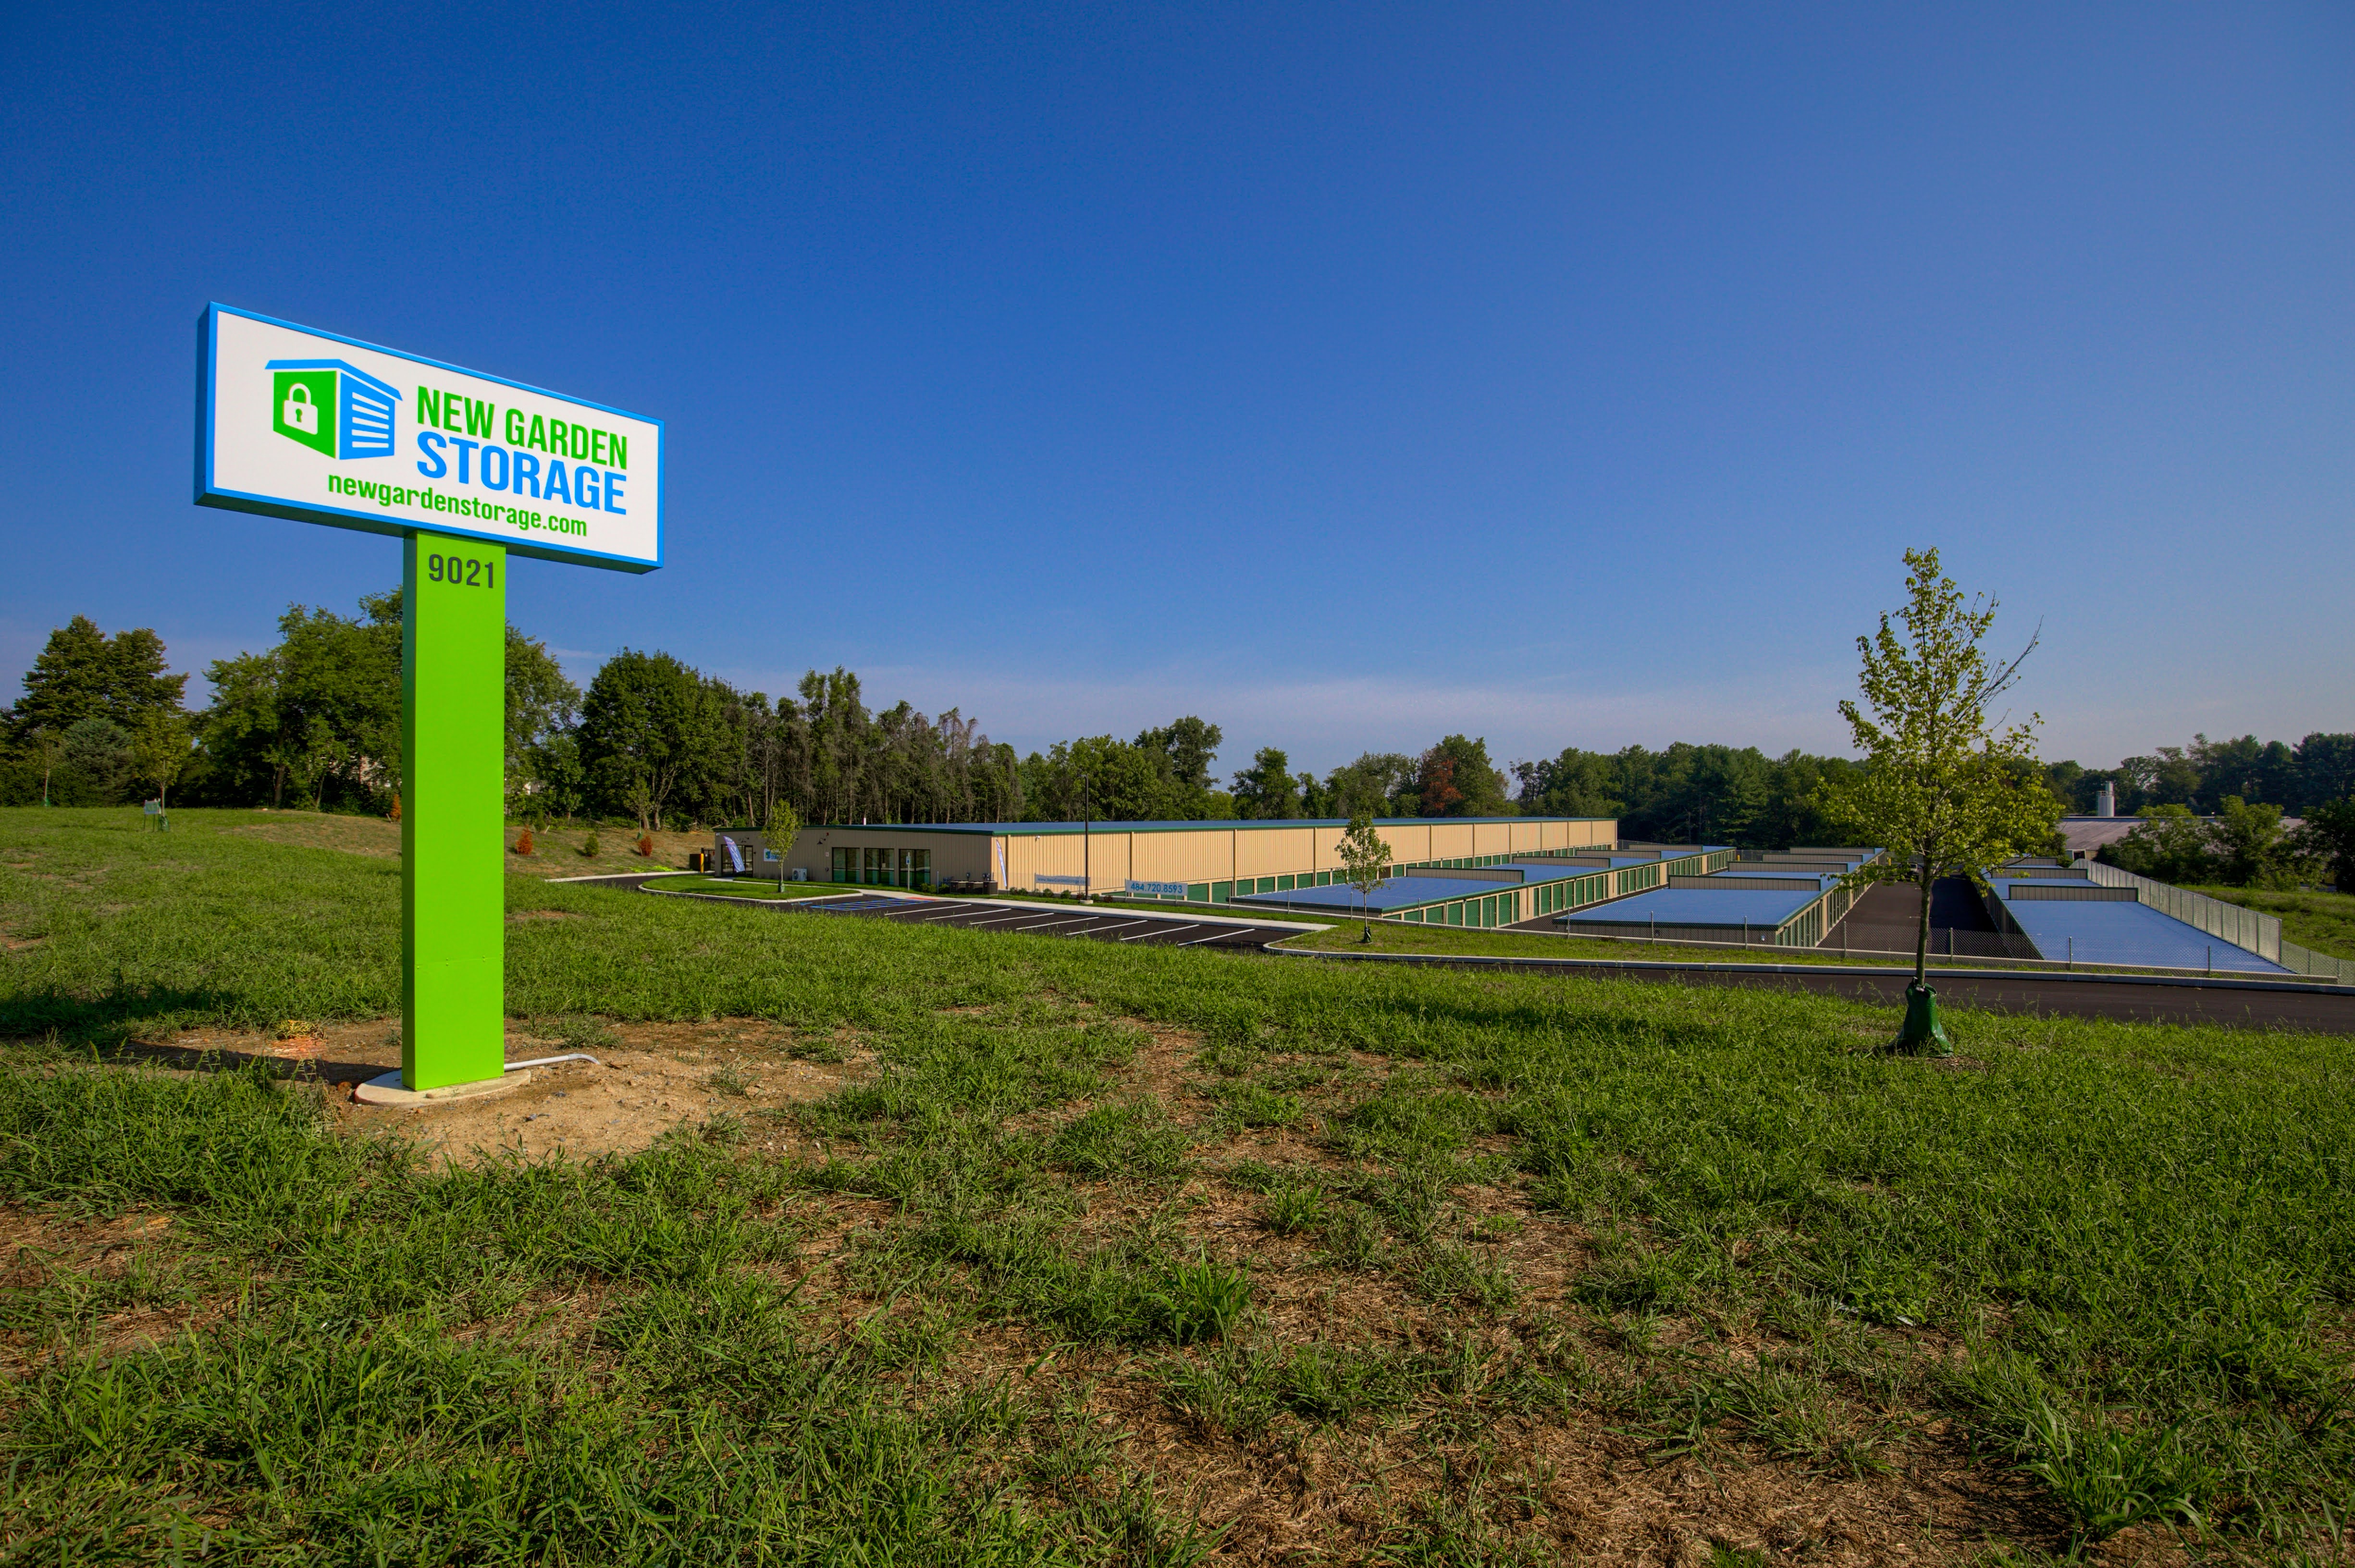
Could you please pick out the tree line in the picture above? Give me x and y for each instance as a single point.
(314, 722)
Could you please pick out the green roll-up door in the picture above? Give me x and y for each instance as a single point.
(1197, 892)
(1221, 892)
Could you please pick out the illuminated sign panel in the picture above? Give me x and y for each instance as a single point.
(303, 424)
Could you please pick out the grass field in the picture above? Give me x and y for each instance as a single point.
(555, 852)
(1142, 1257)
(2323, 921)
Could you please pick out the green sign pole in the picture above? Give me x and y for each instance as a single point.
(454, 817)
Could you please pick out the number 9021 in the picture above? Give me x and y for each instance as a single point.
(462, 572)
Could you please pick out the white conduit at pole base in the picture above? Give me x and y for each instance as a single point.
(551, 1060)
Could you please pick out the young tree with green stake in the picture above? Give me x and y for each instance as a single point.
(1944, 788)
(784, 827)
(1365, 860)
(49, 749)
(161, 750)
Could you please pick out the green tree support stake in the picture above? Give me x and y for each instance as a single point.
(453, 822)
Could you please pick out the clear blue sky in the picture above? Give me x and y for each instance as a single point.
(1345, 375)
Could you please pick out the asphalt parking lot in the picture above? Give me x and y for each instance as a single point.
(1034, 919)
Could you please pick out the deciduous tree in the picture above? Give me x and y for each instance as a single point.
(1365, 860)
(83, 674)
(652, 732)
(778, 833)
(542, 706)
(1455, 778)
(321, 711)
(160, 750)
(1946, 787)
(2329, 838)
(2171, 845)
(1266, 789)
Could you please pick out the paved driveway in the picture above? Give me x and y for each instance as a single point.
(1034, 919)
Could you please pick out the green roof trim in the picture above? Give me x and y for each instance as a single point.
(1013, 829)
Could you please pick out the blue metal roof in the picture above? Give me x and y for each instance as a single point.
(1700, 907)
(1398, 892)
(2115, 931)
(1409, 891)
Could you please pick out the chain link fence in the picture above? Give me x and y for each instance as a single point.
(2260, 934)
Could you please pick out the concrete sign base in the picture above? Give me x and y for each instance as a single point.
(386, 1090)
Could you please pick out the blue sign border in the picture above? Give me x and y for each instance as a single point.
(211, 494)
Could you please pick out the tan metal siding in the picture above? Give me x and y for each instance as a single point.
(1207, 854)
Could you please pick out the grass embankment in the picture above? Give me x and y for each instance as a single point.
(1125, 1254)
(2322, 921)
(555, 852)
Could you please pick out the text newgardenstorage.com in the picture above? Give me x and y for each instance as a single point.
(457, 505)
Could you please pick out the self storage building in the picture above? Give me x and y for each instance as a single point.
(1198, 862)
(1502, 893)
(2066, 916)
(1789, 898)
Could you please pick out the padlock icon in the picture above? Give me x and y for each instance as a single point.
(301, 413)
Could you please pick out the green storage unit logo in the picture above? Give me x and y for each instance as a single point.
(331, 406)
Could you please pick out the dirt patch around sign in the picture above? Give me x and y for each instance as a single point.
(647, 1079)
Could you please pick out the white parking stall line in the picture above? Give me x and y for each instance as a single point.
(1159, 926)
(1213, 937)
(1123, 925)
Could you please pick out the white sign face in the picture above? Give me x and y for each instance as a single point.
(307, 425)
